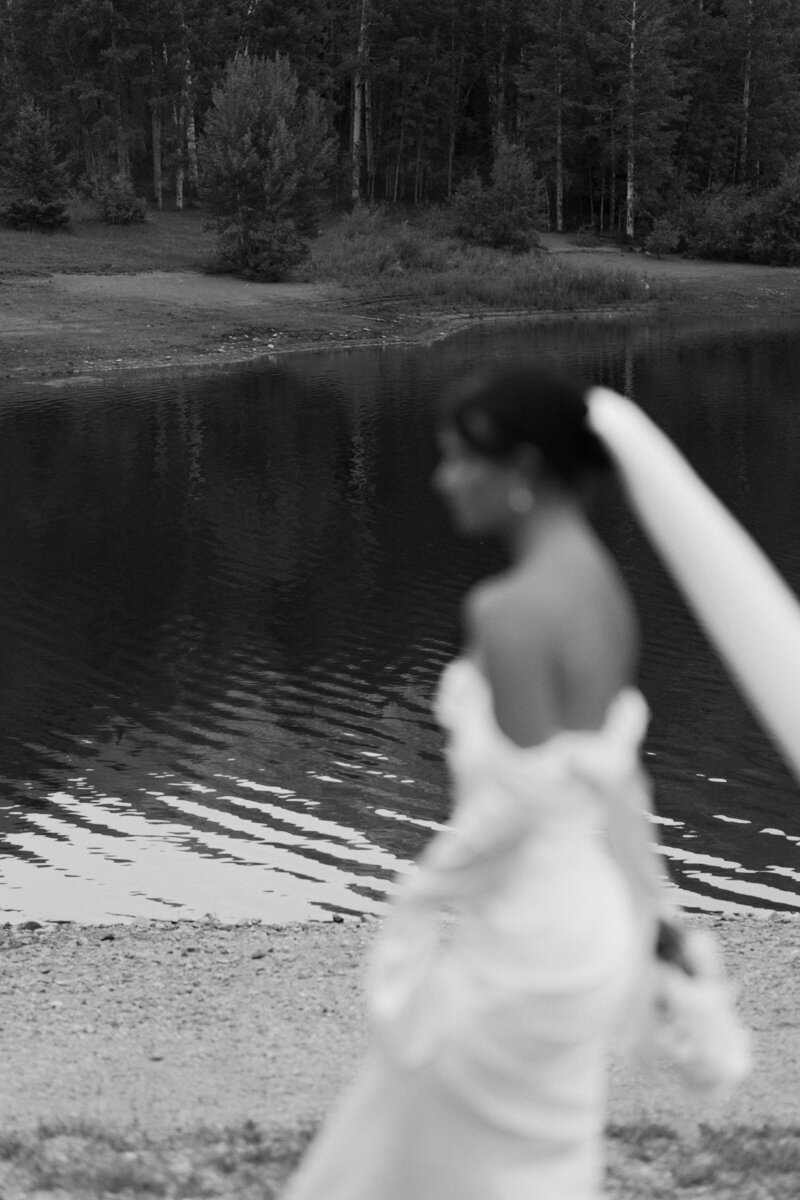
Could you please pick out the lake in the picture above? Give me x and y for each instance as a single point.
(225, 602)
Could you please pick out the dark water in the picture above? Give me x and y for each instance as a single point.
(224, 604)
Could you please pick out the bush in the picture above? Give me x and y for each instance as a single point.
(369, 245)
(119, 204)
(664, 238)
(716, 224)
(267, 251)
(587, 235)
(43, 216)
(504, 214)
(774, 233)
(734, 224)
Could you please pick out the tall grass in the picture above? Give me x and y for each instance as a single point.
(369, 251)
(77, 1161)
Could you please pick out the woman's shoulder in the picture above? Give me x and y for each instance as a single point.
(517, 592)
(585, 597)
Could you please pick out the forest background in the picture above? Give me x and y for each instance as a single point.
(677, 119)
(632, 112)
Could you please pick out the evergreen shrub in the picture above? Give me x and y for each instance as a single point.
(31, 214)
(266, 251)
(31, 172)
(503, 214)
(119, 204)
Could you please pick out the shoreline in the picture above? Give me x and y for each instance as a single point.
(65, 330)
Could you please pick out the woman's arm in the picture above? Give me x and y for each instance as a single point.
(634, 848)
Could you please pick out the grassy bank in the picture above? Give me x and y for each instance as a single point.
(167, 241)
(79, 1162)
(371, 254)
(417, 260)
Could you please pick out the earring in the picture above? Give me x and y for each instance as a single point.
(520, 500)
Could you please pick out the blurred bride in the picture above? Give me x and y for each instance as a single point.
(530, 927)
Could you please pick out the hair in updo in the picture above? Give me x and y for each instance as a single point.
(498, 412)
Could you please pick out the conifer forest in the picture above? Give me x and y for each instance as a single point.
(631, 112)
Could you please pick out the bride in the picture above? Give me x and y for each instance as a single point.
(524, 935)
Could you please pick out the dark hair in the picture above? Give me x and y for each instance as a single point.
(500, 411)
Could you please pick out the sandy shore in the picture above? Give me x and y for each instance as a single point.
(163, 1026)
(71, 328)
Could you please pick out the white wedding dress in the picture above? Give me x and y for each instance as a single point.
(499, 978)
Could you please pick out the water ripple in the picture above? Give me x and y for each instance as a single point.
(224, 616)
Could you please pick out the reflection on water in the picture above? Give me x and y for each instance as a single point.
(225, 604)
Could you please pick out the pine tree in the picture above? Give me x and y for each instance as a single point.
(33, 174)
(265, 157)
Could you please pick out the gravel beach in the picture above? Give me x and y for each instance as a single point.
(164, 1026)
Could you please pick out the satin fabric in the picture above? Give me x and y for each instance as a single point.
(499, 978)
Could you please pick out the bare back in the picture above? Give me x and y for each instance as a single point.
(555, 636)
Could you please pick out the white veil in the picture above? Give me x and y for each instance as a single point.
(745, 607)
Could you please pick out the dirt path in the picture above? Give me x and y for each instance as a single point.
(72, 327)
(75, 327)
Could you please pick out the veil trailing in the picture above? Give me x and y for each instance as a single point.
(745, 607)
(753, 619)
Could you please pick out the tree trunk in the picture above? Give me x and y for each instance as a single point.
(630, 191)
(94, 170)
(358, 106)
(612, 176)
(121, 134)
(630, 143)
(191, 150)
(158, 185)
(559, 152)
(418, 173)
(187, 132)
(123, 156)
(355, 161)
(451, 154)
(180, 168)
(744, 135)
(399, 161)
(456, 76)
(497, 74)
(559, 72)
(369, 139)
